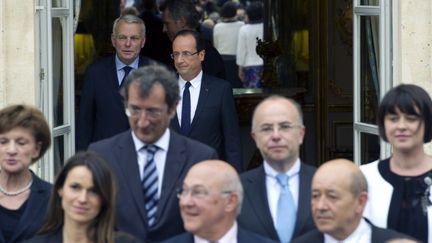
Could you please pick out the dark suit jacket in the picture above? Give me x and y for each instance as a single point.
(34, 214)
(102, 113)
(255, 215)
(215, 122)
(379, 235)
(182, 153)
(57, 237)
(243, 236)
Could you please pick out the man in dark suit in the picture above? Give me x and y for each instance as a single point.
(210, 200)
(182, 15)
(339, 196)
(101, 114)
(150, 161)
(279, 189)
(212, 118)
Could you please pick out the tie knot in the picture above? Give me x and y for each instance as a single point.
(282, 179)
(127, 69)
(151, 148)
(187, 85)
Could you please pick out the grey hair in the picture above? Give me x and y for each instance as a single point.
(130, 19)
(232, 184)
(146, 77)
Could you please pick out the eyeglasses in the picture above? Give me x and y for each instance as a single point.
(123, 38)
(151, 113)
(195, 192)
(284, 128)
(185, 54)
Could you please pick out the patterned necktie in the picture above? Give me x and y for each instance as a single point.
(286, 210)
(186, 110)
(126, 70)
(150, 184)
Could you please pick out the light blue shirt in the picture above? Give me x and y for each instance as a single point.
(120, 65)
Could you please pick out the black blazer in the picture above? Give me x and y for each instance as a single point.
(215, 122)
(379, 235)
(255, 215)
(243, 236)
(34, 214)
(57, 237)
(120, 153)
(102, 112)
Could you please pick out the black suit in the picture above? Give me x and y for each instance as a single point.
(34, 213)
(102, 112)
(215, 122)
(255, 215)
(120, 153)
(243, 236)
(379, 235)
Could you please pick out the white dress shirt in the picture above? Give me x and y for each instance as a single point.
(273, 187)
(194, 91)
(159, 157)
(120, 65)
(362, 234)
(229, 237)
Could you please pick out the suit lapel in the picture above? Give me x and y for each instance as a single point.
(175, 123)
(202, 100)
(125, 151)
(260, 203)
(174, 168)
(303, 209)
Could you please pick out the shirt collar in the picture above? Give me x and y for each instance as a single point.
(120, 65)
(194, 82)
(229, 237)
(162, 143)
(360, 234)
(294, 170)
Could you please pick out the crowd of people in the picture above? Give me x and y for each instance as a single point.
(159, 158)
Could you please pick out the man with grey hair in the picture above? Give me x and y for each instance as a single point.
(339, 196)
(150, 161)
(210, 200)
(101, 114)
(277, 194)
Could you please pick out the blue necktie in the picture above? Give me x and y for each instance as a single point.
(150, 185)
(286, 210)
(186, 110)
(126, 70)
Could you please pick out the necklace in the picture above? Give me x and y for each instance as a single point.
(16, 193)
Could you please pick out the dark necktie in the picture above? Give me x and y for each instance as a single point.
(126, 70)
(150, 184)
(186, 110)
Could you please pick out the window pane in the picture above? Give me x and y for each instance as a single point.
(369, 68)
(57, 3)
(57, 71)
(370, 2)
(370, 148)
(59, 155)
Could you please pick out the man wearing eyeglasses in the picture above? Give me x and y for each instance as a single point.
(210, 200)
(206, 111)
(277, 194)
(150, 161)
(101, 114)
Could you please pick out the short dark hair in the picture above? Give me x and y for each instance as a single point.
(410, 99)
(102, 227)
(183, 9)
(228, 10)
(200, 43)
(255, 12)
(146, 77)
(28, 117)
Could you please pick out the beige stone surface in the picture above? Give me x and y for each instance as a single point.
(17, 59)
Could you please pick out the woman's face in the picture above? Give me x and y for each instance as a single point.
(404, 132)
(18, 148)
(80, 202)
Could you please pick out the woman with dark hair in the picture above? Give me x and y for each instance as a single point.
(400, 186)
(250, 65)
(24, 138)
(82, 205)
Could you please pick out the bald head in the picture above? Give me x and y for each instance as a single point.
(339, 195)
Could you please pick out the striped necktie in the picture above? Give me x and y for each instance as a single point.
(150, 184)
(126, 70)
